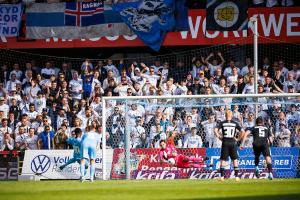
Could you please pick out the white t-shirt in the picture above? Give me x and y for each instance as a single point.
(113, 68)
(32, 142)
(248, 89)
(152, 78)
(21, 139)
(18, 74)
(136, 133)
(193, 142)
(32, 115)
(122, 90)
(12, 85)
(48, 72)
(76, 86)
(34, 92)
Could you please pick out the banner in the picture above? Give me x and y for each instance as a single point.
(8, 165)
(284, 161)
(10, 19)
(145, 164)
(228, 15)
(149, 19)
(275, 24)
(73, 20)
(45, 163)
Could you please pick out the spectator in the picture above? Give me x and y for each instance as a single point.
(214, 65)
(249, 87)
(60, 138)
(48, 71)
(4, 127)
(12, 83)
(284, 136)
(16, 71)
(121, 89)
(111, 67)
(46, 139)
(137, 135)
(75, 87)
(4, 107)
(6, 142)
(193, 140)
(32, 140)
(246, 69)
(21, 139)
(228, 70)
(208, 128)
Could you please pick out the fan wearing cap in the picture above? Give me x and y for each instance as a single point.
(136, 75)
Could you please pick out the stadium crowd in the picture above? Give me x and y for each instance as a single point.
(41, 106)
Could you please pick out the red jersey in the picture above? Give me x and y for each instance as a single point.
(167, 153)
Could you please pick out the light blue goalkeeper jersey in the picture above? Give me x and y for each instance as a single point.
(89, 144)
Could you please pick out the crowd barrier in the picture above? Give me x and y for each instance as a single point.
(8, 165)
(145, 164)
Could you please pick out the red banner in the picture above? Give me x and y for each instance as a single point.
(277, 24)
(145, 164)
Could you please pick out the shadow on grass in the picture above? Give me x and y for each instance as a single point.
(266, 197)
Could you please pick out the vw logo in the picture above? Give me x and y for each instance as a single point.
(40, 164)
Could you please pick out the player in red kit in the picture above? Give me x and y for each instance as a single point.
(168, 154)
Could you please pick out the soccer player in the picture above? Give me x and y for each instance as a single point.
(89, 143)
(169, 154)
(76, 143)
(262, 137)
(227, 131)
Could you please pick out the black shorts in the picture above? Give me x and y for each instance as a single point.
(261, 148)
(229, 149)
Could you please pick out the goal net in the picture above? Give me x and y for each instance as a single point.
(134, 126)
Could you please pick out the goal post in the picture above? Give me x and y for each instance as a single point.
(119, 116)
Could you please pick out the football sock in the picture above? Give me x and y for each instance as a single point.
(222, 171)
(236, 171)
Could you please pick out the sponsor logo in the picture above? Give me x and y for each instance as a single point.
(40, 164)
(157, 175)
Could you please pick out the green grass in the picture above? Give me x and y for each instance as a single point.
(142, 190)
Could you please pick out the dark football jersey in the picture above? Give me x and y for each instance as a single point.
(260, 134)
(229, 129)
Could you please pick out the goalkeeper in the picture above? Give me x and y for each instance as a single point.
(76, 143)
(168, 154)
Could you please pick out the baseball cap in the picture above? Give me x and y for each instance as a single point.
(45, 110)
(196, 79)
(137, 69)
(2, 99)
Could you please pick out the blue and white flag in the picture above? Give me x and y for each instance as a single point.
(149, 19)
(73, 20)
(10, 19)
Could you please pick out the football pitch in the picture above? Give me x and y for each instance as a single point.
(152, 189)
